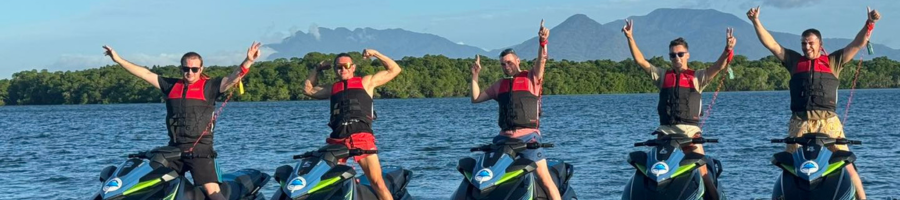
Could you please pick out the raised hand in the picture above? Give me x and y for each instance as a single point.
(476, 67)
(323, 65)
(629, 25)
(873, 14)
(730, 39)
(253, 51)
(753, 14)
(368, 53)
(543, 33)
(110, 52)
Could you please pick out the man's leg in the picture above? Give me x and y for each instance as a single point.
(547, 180)
(372, 168)
(711, 190)
(213, 191)
(796, 129)
(857, 183)
(542, 170)
(206, 173)
(835, 129)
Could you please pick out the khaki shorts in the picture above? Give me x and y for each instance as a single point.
(689, 130)
(831, 126)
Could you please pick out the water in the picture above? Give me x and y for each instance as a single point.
(57, 152)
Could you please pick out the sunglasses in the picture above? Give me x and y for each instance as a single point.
(344, 65)
(679, 54)
(190, 69)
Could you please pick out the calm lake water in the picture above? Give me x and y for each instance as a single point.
(57, 152)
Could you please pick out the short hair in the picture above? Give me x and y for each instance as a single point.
(190, 55)
(679, 41)
(336, 58)
(812, 31)
(507, 52)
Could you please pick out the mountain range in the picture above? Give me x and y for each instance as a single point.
(578, 38)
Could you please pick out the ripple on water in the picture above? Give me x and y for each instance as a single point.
(413, 133)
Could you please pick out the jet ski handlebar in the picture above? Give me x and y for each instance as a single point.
(491, 147)
(806, 140)
(352, 152)
(665, 141)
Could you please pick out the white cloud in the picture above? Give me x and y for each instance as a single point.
(314, 31)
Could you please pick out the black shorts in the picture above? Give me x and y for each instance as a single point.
(203, 169)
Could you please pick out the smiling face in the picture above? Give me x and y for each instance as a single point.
(679, 56)
(191, 69)
(811, 45)
(344, 67)
(510, 64)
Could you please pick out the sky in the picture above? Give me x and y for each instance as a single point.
(67, 35)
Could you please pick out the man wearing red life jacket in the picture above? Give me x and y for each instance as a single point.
(814, 82)
(680, 89)
(190, 104)
(352, 109)
(519, 98)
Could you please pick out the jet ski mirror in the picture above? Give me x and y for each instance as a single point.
(283, 173)
(106, 173)
(677, 141)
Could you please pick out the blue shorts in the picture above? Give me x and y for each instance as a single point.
(531, 154)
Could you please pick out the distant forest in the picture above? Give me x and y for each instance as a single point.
(431, 76)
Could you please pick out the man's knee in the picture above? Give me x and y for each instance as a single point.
(212, 188)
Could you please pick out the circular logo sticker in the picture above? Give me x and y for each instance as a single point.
(296, 184)
(112, 185)
(809, 167)
(659, 168)
(484, 175)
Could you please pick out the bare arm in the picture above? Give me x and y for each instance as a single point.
(138, 71)
(538, 68)
(310, 89)
(862, 37)
(632, 45)
(478, 96)
(723, 60)
(235, 77)
(382, 77)
(764, 36)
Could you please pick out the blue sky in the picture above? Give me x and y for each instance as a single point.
(67, 35)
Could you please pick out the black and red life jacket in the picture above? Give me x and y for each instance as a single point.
(188, 113)
(679, 100)
(813, 85)
(519, 108)
(352, 109)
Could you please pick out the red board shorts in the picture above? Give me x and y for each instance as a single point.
(364, 141)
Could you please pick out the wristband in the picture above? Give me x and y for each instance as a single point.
(244, 70)
(730, 55)
(870, 26)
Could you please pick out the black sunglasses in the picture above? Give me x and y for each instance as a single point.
(191, 69)
(679, 54)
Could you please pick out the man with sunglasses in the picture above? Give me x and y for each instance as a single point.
(352, 109)
(519, 100)
(190, 104)
(814, 82)
(680, 88)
